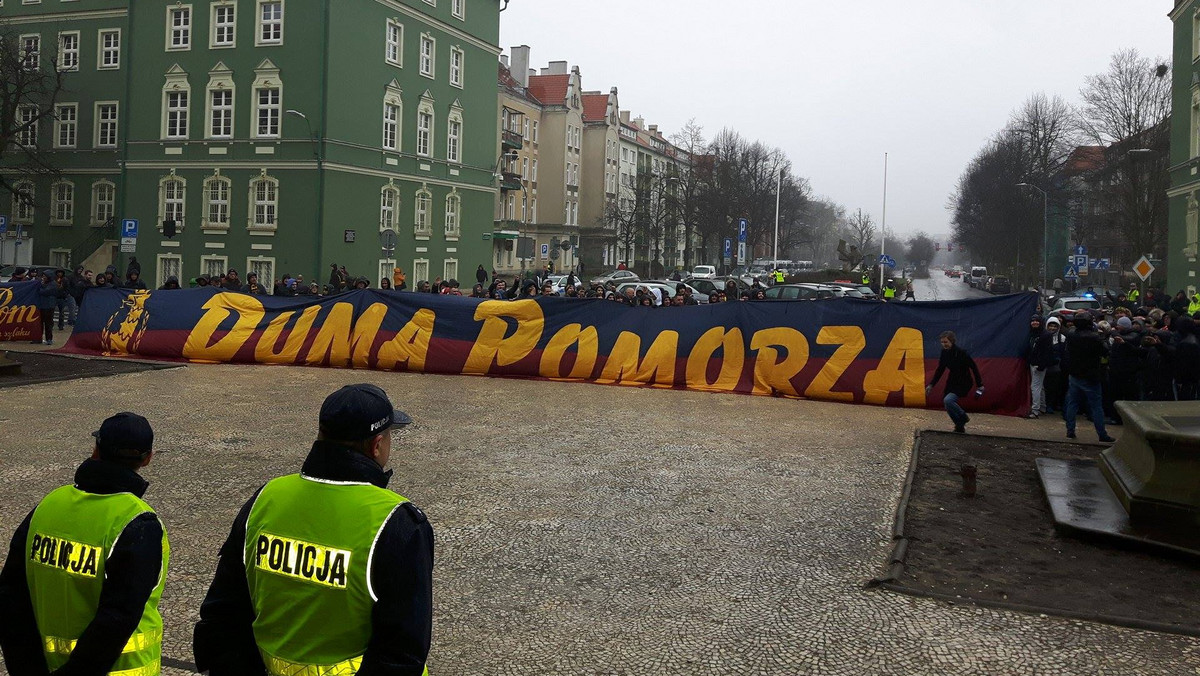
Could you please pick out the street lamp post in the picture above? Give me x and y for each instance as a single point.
(1045, 232)
(318, 155)
(778, 186)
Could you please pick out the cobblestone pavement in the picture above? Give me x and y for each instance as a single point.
(587, 529)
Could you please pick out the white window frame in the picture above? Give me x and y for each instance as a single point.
(458, 66)
(161, 271)
(68, 58)
(535, 132)
(207, 267)
(266, 77)
(177, 115)
(458, 9)
(62, 206)
(453, 215)
(27, 114)
(267, 280)
(425, 132)
(69, 126)
(420, 270)
(428, 59)
(103, 51)
(225, 111)
(184, 29)
(206, 220)
(176, 83)
(31, 58)
(163, 211)
(393, 50)
(454, 140)
(392, 128)
(214, 26)
(60, 258)
(450, 268)
(100, 123)
(261, 24)
(24, 210)
(423, 213)
(389, 215)
(100, 217)
(270, 207)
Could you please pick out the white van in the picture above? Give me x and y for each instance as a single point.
(978, 276)
(704, 272)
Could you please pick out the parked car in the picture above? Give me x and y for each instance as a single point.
(560, 283)
(616, 276)
(1073, 303)
(803, 292)
(859, 290)
(704, 272)
(999, 284)
(665, 286)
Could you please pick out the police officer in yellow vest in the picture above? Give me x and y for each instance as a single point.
(889, 291)
(778, 276)
(866, 279)
(80, 588)
(325, 572)
(1194, 304)
(1134, 295)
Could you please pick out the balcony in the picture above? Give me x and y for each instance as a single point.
(512, 140)
(510, 181)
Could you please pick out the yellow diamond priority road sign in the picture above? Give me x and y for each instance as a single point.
(1143, 268)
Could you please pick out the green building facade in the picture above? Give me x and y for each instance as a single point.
(1183, 240)
(281, 136)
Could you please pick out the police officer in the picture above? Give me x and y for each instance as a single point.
(866, 279)
(325, 571)
(889, 291)
(778, 276)
(81, 585)
(1134, 295)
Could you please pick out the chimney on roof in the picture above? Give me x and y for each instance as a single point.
(625, 116)
(520, 64)
(532, 72)
(556, 68)
(504, 60)
(639, 122)
(654, 130)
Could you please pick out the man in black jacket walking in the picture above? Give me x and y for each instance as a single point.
(1086, 351)
(959, 383)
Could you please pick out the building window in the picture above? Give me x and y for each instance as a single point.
(458, 8)
(169, 265)
(27, 119)
(66, 125)
(179, 27)
(221, 111)
(534, 175)
(106, 125)
(427, 54)
(177, 115)
(454, 138)
(31, 51)
(420, 270)
(391, 125)
(172, 195)
(422, 207)
(450, 269)
(214, 266)
(269, 107)
(104, 200)
(535, 131)
(264, 268)
(424, 129)
(60, 258)
(68, 51)
(393, 50)
(23, 198)
(270, 22)
(453, 208)
(389, 202)
(62, 203)
(524, 168)
(457, 62)
(224, 25)
(110, 49)
(217, 190)
(264, 203)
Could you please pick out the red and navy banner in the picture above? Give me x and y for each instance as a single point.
(847, 350)
(19, 316)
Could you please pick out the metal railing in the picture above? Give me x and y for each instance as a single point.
(94, 240)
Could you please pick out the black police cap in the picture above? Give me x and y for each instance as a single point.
(358, 412)
(124, 432)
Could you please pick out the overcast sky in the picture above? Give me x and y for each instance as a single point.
(836, 83)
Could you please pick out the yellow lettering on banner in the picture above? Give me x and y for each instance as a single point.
(494, 344)
(658, 366)
(264, 351)
(366, 328)
(901, 369)
(770, 374)
(734, 351)
(219, 307)
(332, 345)
(587, 342)
(852, 342)
(411, 344)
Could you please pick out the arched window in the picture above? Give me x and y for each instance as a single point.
(453, 209)
(62, 202)
(104, 201)
(217, 191)
(22, 202)
(389, 203)
(264, 203)
(392, 114)
(454, 132)
(423, 206)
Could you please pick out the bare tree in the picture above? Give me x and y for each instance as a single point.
(691, 141)
(1128, 100)
(861, 229)
(31, 80)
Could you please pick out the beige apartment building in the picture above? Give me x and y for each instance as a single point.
(601, 173)
(520, 132)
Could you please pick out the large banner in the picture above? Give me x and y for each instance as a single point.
(845, 350)
(19, 316)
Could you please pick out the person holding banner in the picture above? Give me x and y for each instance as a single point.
(964, 375)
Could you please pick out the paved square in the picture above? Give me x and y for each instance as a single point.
(588, 529)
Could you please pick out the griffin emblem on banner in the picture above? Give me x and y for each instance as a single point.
(123, 332)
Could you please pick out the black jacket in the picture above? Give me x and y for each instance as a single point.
(1086, 351)
(1041, 352)
(401, 575)
(131, 574)
(961, 367)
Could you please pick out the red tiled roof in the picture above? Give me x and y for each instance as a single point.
(1084, 158)
(549, 89)
(595, 107)
(505, 77)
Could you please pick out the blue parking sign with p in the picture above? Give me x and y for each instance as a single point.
(728, 247)
(3, 224)
(129, 227)
(743, 225)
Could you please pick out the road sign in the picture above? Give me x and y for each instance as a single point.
(545, 250)
(743, 227)
(1143, 268)
(742, 253)
(131, 241)
(887, 260)
(1103, 263)
(129, 227)
(728, 247)
(1081, 250)
(1070, 272)
(728, 260)
(1081, 261)
(3, 224)
(129, 248)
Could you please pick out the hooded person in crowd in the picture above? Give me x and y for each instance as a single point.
(253, 287)
(171, 284)
(134, 281)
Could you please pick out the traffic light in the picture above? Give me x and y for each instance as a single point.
(949, 246)
(937, 246)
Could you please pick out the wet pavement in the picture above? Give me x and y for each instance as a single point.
(586, 529)
(941, 287)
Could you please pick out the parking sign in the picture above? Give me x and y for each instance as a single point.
(3, 224)
(129, 227)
